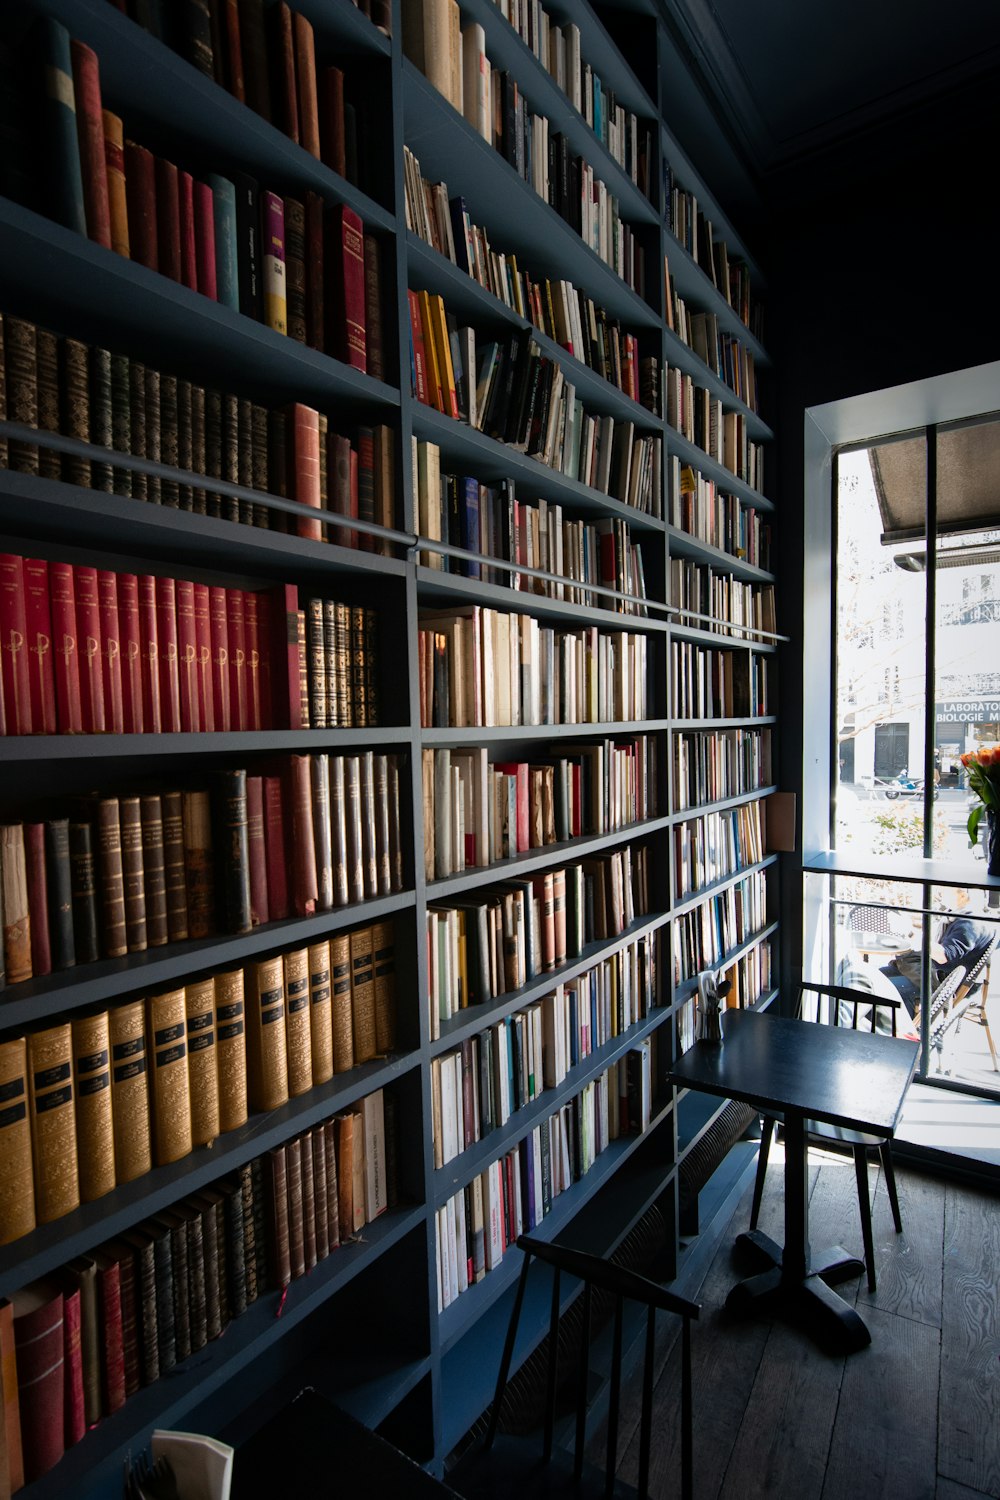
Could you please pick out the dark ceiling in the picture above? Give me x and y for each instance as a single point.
(797, 75)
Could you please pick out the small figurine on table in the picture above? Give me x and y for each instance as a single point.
(712, 992)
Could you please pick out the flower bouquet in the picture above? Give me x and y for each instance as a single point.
(983, 767)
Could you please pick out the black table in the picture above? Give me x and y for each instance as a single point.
(801, 1070)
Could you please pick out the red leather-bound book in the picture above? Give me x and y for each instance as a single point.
(168, 219)
(203, 639)
(286, 101)
(66, 660)
(109, 1305)
(75, 1415)
(169, 675)
(14, 645)
(304, 432)
(251, 629)
(315, 314)
(286, 692)
(38, 1342)
(236, 629)
(149, 659)
(88, 635)
(234, 52)
(301, 847)
(274, 846)
(419, 352)
(39, 646)
(366, 486)
(90, 131)
(332, 120)
(219, 627)
(347, 288)
(130, 641)
(305, 73)
(38, 900)
(344, 494)
(185, 208)
(187, 656)
(140, 196)
(204, 240)
(111, 657)
(257, 845)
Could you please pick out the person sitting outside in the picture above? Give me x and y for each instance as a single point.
(958, 937)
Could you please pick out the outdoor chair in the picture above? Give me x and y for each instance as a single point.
(876, 920)
(968, 1001)
(847, 1006)
(504, 1466)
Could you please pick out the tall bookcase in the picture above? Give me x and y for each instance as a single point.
(364, 1325)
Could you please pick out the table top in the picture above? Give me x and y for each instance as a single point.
(829, 1073)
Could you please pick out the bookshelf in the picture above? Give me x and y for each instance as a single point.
(364, 1324)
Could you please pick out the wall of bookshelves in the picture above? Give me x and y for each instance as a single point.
(547, 817)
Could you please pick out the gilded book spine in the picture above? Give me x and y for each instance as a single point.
(53, 1122)
(110, 879)
(92, 1081)
(129, 1091)
(298, 1038)
(203, 1078)
(230, 1048)
(17, 1193)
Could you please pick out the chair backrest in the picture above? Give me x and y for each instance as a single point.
(622, 1285)
(849, 1005)
(944, 1013)
(876, 919)
(976, 967)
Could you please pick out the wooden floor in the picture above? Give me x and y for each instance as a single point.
(914, 1417)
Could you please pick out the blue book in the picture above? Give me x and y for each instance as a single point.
(459, 230)
(64, 188)
(468, 515)
(227, 272)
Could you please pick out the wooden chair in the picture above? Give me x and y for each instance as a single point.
(852, 1004)
(504, 1467)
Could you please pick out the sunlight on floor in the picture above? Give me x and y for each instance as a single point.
(952, 1122)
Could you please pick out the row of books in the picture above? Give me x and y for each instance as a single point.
(476, 1088)
(267, 60)
(729, 275)
(477, 811)
(298, 265)
(708, 683)
(716, 845)
(126, 873)
(696, 590)
(495, 942)
(626, 136)
(89, 651)
(105, 1096)
(556, 307)
(476, 1226)
(724, 354)
(463, 512)
(700, 417)
(722, 763)
(702, 937)
(455, 62)
(489, 667)
(699, 507)
(749, 981)
(94, 395)
(77, 1344)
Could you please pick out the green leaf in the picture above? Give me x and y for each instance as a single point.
(973, 824)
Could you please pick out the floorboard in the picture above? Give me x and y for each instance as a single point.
(970, 1355)
(909, 1266)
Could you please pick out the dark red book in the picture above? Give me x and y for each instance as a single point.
(88, 628)
(234, 53)
(204, 239)
(346, 286)
(422, 392)
(169, 674)
(109, 1306)
(187, 656)
(373, 308)
(168, 219)
(111, 658)
(66, 660)
(149, 659)
(203, 639)
(90, 131)
(140, 196)
(301, 846)
(286, 691)
(259, 907)
(239, 703)
(274, 844)
(305, 76)
(185, 204)
(304, 432)
(254, 629)
(332, 120)
(39, 645)
(16, 680)
(315, 315)
(343, 495)
(38, 897)
(74, 1409)
(40, 1355)
(286, 101)
(219, 627)
(130, 640)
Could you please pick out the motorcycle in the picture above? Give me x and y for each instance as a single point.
(903, 785)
